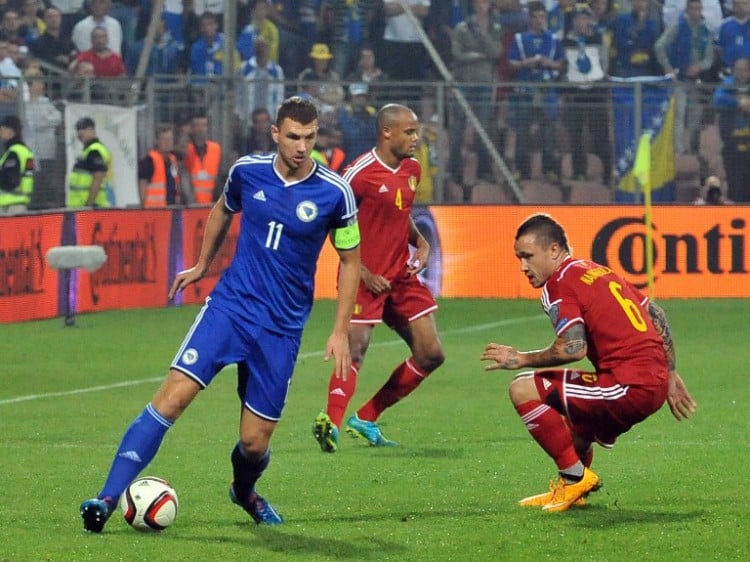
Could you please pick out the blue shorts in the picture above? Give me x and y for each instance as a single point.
(265, 360)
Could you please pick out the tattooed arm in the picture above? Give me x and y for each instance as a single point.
(659, 318)
(681, 404)
(568, 347)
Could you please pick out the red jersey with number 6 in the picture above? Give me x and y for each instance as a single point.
(621, 338)
(384, 198)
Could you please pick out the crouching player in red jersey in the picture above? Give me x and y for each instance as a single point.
(384, 181)
(596, 314)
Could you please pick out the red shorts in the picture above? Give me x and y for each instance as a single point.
(596, 406)
(407, 300)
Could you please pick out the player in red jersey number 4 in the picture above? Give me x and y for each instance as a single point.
(384, 181)
(596, 314)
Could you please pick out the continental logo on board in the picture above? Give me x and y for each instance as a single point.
(131, 259)
(22, 266)
(719, 249)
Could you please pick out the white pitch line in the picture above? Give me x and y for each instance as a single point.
(309, 354)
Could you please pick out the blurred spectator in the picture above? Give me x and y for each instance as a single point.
(320, 82)
(327, 150)
(734, 34)
(258, 139)
(586, 107)
(16, 168)
(32, 26)
(159, 182)
(262, 85)
(83, 87)
(356, 121)
(202, 161)
(182, 136)
(167, 55)
(126, 12)
(536, 56)
(107, 63)
(72, 11)
(560, 18)
(685, 51)
(52, 46)
(634, 37)
(405, 55)
(292, 42)
(672, 10)
(348, 24)
(603, 16)
(440, 21)
(9, 74)
(216, 7)
(732, 101)
(99, 18)
(712, 193)
(10, 28)
(259, 26)
(182, 21)
(207, 53)
(368, 72)
(476, 46)
(42, 119)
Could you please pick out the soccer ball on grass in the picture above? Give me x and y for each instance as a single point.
(149, 504)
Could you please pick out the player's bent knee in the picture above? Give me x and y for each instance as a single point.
(255, 433)
(522, 388)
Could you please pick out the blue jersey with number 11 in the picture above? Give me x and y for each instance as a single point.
(283, 229)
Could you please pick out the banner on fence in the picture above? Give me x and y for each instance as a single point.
(116, 129)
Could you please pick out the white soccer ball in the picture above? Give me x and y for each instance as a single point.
(149, 504)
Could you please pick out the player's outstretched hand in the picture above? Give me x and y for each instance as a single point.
(338, 347)
(680, 402)
(502, 357)
(185, 278)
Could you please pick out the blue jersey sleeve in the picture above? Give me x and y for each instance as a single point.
(232, 191)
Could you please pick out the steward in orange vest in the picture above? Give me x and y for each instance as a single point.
(202, 161)
(326, 152)
(158, 175)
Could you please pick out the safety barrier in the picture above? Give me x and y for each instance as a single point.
(699, 252)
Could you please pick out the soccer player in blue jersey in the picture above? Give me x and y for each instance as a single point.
(255, 315)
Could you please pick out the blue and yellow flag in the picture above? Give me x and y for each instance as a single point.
(657, 121)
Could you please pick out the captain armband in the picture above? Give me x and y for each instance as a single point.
(347, 237)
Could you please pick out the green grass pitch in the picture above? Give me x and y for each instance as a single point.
(672, 491)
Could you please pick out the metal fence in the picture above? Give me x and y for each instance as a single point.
(537, 143)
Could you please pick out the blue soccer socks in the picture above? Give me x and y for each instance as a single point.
(137, 448)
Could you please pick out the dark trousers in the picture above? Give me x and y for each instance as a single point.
(737, 168)
(588, 110)
(526, 111)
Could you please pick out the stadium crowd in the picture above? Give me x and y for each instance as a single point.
(345, 55)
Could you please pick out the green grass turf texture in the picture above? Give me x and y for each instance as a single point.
(672, 491)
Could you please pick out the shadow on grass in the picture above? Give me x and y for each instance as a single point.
(283, 541)
(611, 516)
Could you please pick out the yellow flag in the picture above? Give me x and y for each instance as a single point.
(642, 166)
(642, 172)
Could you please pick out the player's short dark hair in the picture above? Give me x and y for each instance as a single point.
(297, 109)
(546, 229)
(535, 6)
